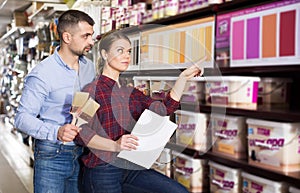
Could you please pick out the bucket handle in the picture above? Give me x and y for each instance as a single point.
(184, 172)
(287, 143)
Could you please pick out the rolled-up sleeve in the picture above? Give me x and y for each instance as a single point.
(163, 108)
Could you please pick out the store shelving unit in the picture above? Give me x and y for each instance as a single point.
(290, 114)
(47, 10)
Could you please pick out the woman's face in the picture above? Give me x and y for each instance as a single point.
(119, 55)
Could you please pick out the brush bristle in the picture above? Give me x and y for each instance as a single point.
(79, 100)
(90, 107)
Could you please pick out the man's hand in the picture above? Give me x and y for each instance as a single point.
(67, 133)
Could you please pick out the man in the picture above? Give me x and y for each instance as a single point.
(44, 109)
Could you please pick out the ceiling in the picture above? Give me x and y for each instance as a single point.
(7, 8)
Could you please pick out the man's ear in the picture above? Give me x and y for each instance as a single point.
(66, 37)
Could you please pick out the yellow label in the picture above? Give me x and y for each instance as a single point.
(226, 148)
(186, 139)
(184, 181)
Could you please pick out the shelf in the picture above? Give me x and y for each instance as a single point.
(161, 72)
(292, 177)
(9, 33)
(47, 10)
(238, 4)
(278, 71)
(283, 70)
(17, 32)
(277, 114)
(267, 113)
(188, 16)
(209, 11)
(190, 152)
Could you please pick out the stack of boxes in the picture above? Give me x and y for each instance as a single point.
(267, 144)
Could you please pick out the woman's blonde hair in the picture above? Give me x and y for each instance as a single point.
(105, 43)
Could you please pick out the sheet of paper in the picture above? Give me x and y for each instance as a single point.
(153, 131)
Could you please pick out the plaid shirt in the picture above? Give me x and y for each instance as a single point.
(120, 108)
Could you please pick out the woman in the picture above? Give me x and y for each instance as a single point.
(120, 108)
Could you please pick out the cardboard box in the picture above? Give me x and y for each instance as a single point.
(20, 19)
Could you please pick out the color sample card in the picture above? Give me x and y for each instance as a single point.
(177, 46)
(259, 36)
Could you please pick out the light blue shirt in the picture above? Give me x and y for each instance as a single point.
(48, 93)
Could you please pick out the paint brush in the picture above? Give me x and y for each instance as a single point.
(79, 99)
(83, 108)
(87, 112)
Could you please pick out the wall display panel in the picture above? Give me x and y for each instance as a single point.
(177, 46)
(260, 36)
(135, 56)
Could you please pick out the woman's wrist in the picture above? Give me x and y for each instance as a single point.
(116, 147)
(182, 76)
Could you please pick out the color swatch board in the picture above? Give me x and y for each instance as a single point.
(177, 46)
(260, 36)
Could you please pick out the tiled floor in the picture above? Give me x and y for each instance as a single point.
(15, 171)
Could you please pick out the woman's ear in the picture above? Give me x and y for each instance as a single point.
(103, 54)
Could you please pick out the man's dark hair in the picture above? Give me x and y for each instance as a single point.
(70, 18)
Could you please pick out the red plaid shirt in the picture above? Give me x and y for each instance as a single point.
(120, 108)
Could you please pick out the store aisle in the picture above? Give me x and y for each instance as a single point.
(15, 172)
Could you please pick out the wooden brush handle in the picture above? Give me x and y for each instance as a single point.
(73, 120)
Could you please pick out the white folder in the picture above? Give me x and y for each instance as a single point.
(153, 131)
